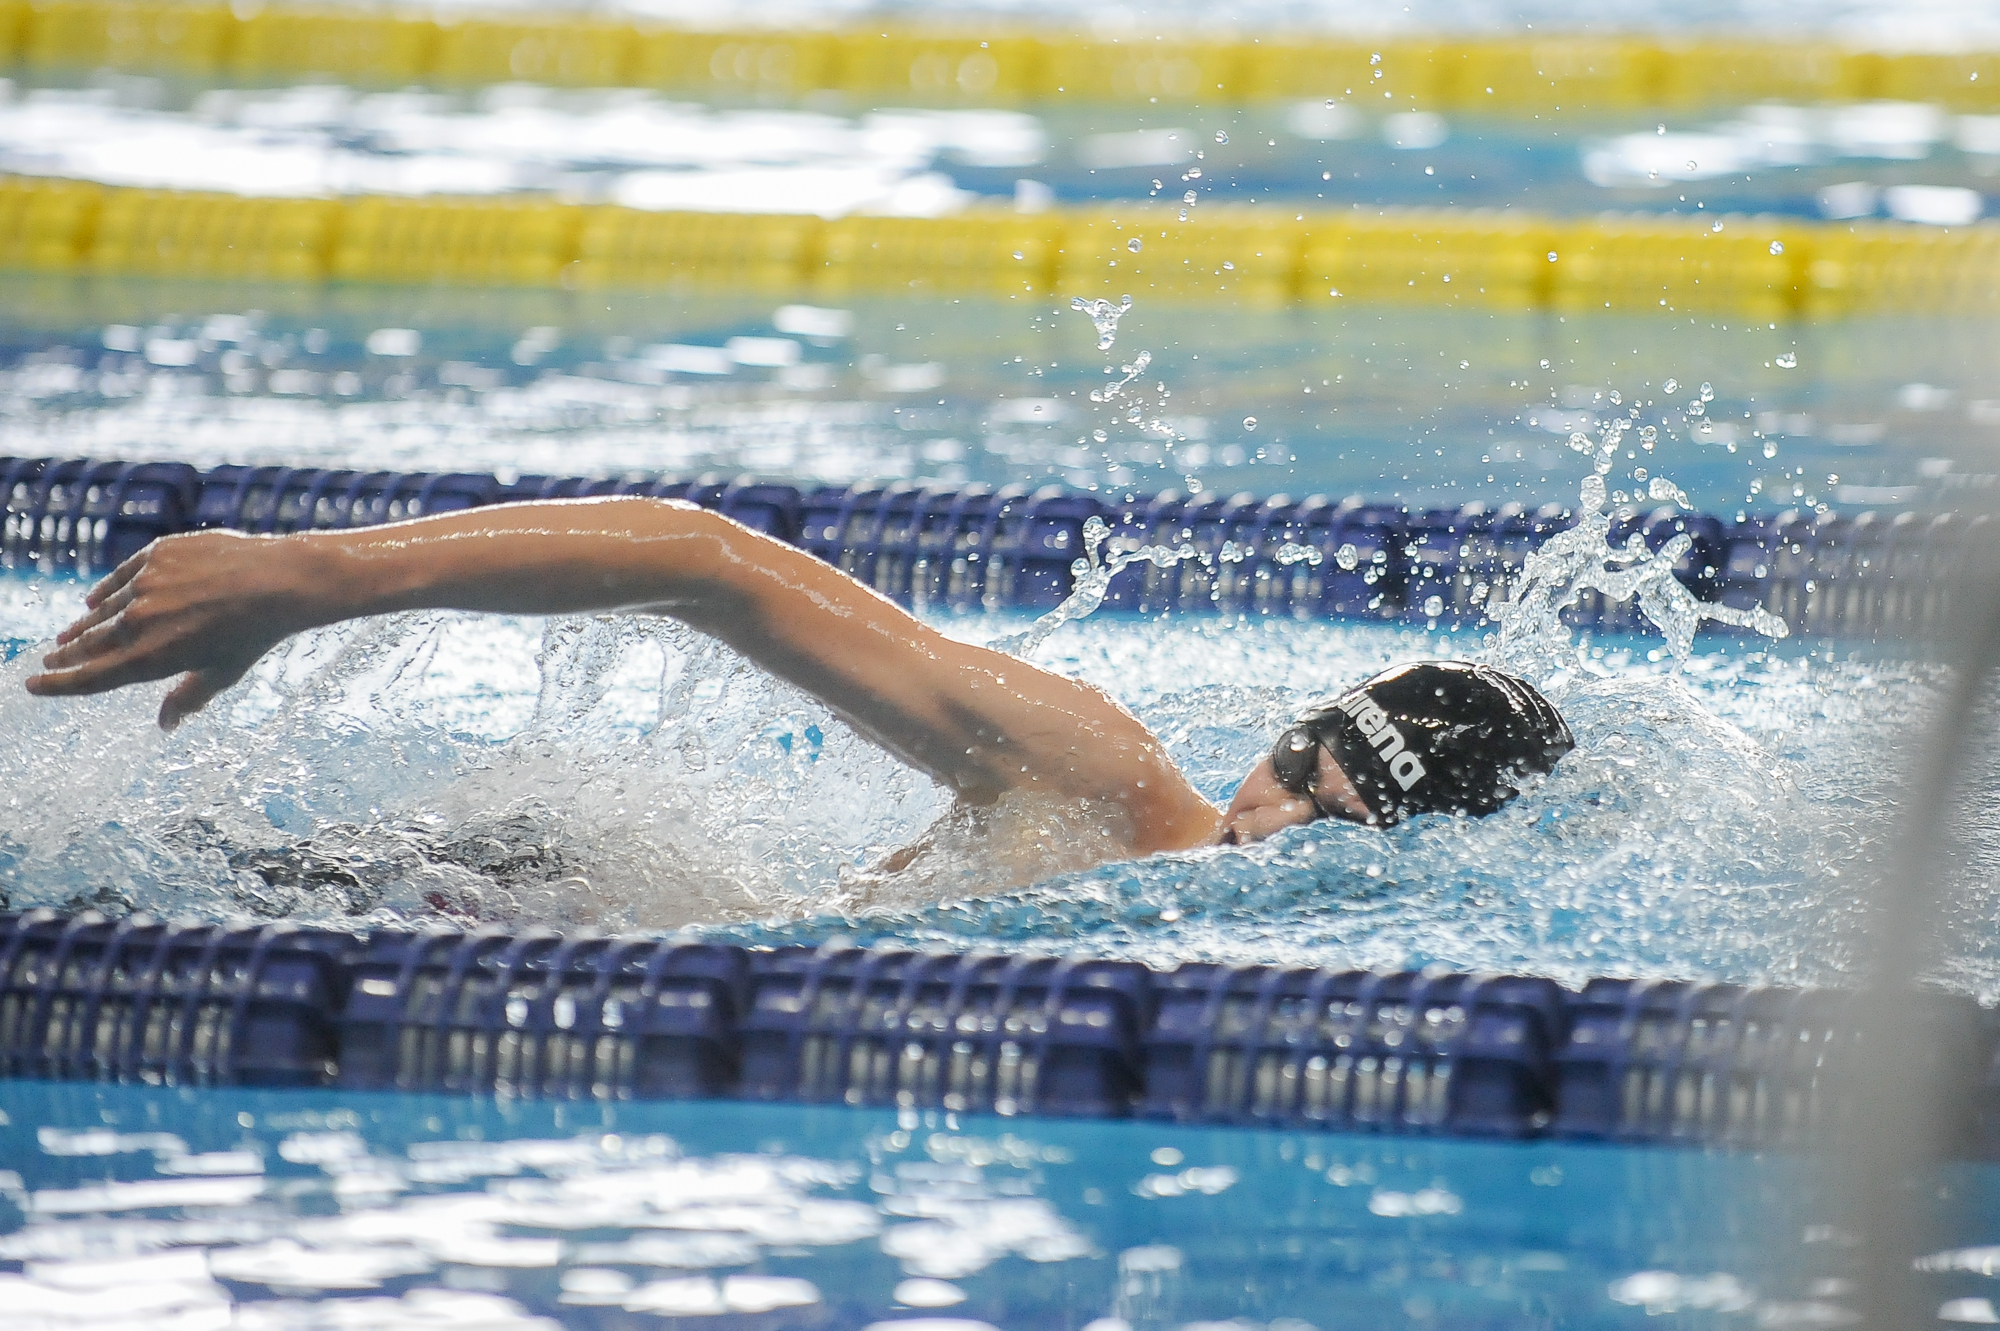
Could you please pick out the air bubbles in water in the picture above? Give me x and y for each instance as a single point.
(1788, 360)
(1616, 400)
(1649, 437)
(1098, 436)
(1188, 197)
(1222, 136)
(1580, 441)
(1671, 386)
(1347, 557)
(1552, 259)
(1375, 59)
(1433, 606)
(1777, 247)
(1708, 393)
(1249, 422)
(1135, 244)
(1770, 448)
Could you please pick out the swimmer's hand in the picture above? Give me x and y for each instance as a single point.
(203, 606)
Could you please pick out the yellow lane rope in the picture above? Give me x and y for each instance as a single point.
(1751, 267)
(1524, 75)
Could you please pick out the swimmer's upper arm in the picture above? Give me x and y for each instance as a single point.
(980, 721)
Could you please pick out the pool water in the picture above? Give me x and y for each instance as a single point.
(137, 1206)
(623, 772)
(832, 154)
(1419, 406)
(1718, 820)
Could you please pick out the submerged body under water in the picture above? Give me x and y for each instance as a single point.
(624, 772)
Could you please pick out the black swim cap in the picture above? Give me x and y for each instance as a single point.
(1439, 736)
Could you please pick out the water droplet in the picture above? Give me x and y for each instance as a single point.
(1375, 59)
(1788, 360)
(1465, 365)
(1135, 244)
(1616, 399)
(1695, 408)
(1708, 392)
(1638, 473)
(1222, 136)
(1716, 225)
(1777, 247)
(1662, 129)
(1545, 365)
(1347, 557)
(1648, 437)
(1183, 214)
(1188, 197)
(1192, 173)
(1249, 422)
(1580, 442)
(1326, 175)
(1552, 256)
(1104, 316)
(1019, 255)
(1671, 386)
(1329, 103)
(1770, 448)
(1691, 164)
(1098, 436)
(1433, 606)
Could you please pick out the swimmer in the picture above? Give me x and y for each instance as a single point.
(1435, 736)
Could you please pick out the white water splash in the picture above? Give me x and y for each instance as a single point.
(1116, 389)
(1093, 575)
(1104, 316)
(1533, 639)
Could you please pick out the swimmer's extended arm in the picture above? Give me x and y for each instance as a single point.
(208, 605)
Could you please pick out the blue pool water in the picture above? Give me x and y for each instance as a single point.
(1716, 821)
(622, 773)
(130, 1206)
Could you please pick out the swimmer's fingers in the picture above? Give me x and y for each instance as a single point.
(70, 677)
(136, 643)
(101, 610)
(194, 692)
(117, 578)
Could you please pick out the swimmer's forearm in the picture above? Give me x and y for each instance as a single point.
(560, 557)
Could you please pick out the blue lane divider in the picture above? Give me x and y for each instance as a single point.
(541, 1014)
(974, 547)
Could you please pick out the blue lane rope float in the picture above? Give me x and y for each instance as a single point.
(581, 1017)
(973, 547)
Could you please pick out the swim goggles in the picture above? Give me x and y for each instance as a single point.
(1295, 762)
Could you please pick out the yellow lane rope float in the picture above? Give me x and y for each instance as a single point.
(1514, 75)
(1745, 266)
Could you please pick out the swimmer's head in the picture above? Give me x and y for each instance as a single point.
(1429, 737)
